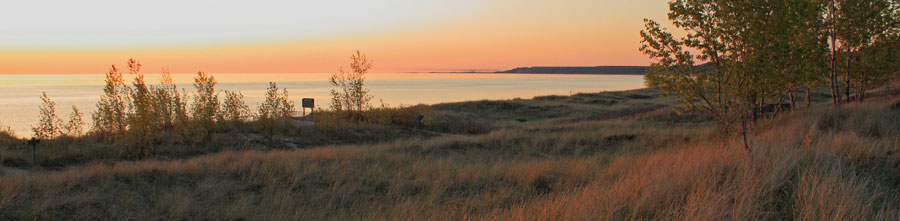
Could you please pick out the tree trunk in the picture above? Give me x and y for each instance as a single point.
(744, 132)
(833, 77)
(780, 101)
(863, 82)
(793, 102)
(847, 78)
(807, 97)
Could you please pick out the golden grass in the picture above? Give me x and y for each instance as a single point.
(627, 168)
(780, 179)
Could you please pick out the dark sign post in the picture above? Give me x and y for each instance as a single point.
(308, 103)
(33, 142)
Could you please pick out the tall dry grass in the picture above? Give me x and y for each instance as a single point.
(848, 172)
(820, 163)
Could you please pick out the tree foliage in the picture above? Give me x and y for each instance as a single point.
(755, 52)
(277, 104)
(348, 91)
(206, 102)
(112, 109)
(863, 34)
(75, 126)
(164, 101)
(142, 123)
(50, 125)
(234, 109)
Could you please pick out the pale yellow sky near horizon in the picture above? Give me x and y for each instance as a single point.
(400, 36)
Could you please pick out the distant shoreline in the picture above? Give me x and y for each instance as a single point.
(595, 70)
(443, 72)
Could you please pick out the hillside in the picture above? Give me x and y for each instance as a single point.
(613, 155)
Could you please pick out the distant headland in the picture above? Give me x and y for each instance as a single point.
(637, 70)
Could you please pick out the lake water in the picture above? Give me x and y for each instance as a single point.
(20, 94)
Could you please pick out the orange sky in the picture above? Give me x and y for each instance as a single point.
(498, 35)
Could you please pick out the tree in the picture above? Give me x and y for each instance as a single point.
(141, 121)
(182, 119)
(234, 109)
(110, 117)
(810, 43)
(274, 109)
(49, 125)
(348, 91)
(277, 105)
(74, 127)
(878, 62)
(832, 14)
(866, 31)
(857, 31)
(797, 30)
(287, 106)
(206, 103)
(746, 50)
(164, 101)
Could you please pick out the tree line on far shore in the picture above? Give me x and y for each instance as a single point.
(759, 55)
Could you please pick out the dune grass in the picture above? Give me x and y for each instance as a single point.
(476, 117)
(818, 163)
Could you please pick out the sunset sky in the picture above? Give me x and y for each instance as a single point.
(266, 36)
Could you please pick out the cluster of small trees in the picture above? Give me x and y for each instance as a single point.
(349, 96)
(51, 125)
(758, 53)
(139, 114)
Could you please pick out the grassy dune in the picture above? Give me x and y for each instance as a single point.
(589, 156)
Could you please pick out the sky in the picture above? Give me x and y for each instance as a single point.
(301, 36)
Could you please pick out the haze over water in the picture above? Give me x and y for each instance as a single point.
(19, 100)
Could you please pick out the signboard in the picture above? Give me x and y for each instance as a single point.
(308, 103)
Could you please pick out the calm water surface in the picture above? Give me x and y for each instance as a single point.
(20, 94)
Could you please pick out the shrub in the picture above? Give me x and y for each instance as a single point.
(49, 126)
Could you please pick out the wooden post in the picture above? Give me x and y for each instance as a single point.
(34, 142)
